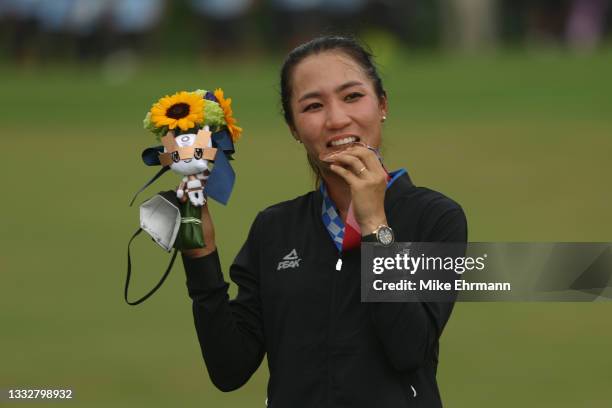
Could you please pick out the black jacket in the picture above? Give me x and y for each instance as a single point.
(325, 348)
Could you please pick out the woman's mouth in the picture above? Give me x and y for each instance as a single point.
(343, 142)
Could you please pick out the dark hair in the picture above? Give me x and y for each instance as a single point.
(347, 45)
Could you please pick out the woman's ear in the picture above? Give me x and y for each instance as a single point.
(294, 134)
(384, 107)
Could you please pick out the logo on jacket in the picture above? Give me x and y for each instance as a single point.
(291, 260)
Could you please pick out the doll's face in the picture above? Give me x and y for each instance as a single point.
(189, 166)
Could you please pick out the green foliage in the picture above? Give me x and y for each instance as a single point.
(213, 115)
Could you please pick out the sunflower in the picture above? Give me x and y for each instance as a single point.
(226, 105)
(183, 109)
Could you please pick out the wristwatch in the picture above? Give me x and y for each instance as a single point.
(383, 234)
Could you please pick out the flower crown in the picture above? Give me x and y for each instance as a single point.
(188, 111)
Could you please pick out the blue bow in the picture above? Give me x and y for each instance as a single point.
(221, 180)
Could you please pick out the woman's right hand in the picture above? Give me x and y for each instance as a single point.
(209, 235)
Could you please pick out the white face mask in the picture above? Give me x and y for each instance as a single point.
(160, 219)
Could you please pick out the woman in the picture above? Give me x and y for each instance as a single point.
(298, 272)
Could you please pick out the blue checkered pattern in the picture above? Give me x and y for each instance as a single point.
(331, 219)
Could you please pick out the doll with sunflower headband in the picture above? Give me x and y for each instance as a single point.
(183, 123)
(192, 126)
(195, 128)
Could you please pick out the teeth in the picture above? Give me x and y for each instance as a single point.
(344, 141)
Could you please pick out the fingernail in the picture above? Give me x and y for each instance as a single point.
(327, 157)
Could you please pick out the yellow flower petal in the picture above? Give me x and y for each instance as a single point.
(235, 131)
(181, 124)
(195, 114)
(167, 121)
(158, 112)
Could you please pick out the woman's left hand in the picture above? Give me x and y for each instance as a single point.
(367, 179)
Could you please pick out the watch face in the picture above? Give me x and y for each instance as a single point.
(385, 236)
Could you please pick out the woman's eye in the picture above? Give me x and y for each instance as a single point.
(312, 106)
(353, 96)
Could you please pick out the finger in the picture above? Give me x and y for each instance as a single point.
(349, 177)
(357, 166)
(329, 157)
(350, 162)
(367, 156)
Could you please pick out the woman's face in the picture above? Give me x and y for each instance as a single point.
(334, 103)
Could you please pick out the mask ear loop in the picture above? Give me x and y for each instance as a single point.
(148, 183)
(129, 274)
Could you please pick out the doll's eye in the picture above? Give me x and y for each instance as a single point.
(197, 154)
(175, 157)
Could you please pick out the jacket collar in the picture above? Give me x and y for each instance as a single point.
(397, 189)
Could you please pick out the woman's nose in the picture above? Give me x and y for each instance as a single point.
(337, 118)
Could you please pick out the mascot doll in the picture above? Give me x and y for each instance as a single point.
(197, 132)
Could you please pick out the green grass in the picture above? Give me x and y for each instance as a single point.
(522, 141)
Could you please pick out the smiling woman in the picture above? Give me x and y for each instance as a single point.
(298, 273)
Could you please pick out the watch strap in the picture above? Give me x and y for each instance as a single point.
(369, 238)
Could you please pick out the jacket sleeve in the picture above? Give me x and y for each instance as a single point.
(230, 332)
(409, 331)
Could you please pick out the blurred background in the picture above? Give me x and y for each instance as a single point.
(505, 106)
